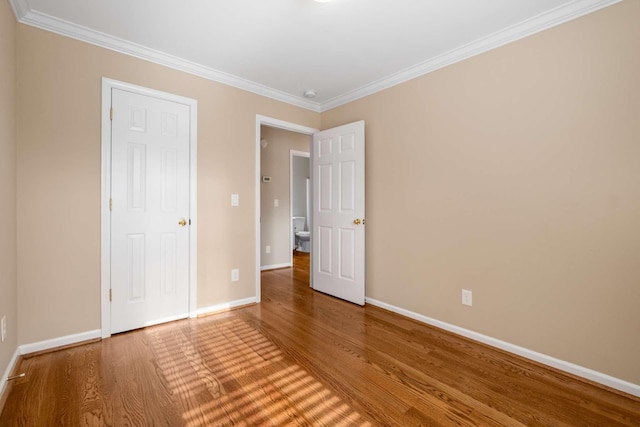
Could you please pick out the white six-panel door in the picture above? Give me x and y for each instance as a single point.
(150, 211)
(338, 212)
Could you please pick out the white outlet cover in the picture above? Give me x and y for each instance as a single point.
(276, 202)
(267, 249)
(467, 298)
(235, 200)
(235, 275)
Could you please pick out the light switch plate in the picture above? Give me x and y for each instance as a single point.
(235, 200)
(467, 297)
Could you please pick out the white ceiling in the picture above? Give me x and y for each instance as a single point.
(344, 50)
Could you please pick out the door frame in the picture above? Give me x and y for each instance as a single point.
(105, 193)
(292, 154)
(280, 124)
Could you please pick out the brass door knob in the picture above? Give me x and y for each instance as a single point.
(182, 222)
(357, 221)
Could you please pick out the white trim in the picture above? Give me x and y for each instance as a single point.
(105, 216)
(105, 224)
(26, 15)
(280, 124)
(60, 342)
(225, 306)
(10, 367)
(581, 371)
(292, 154)
(193, 209)
(526, 28)
(275, 266)
(567, 12)
(20, 8)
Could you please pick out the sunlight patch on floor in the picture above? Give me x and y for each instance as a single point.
(234, 375)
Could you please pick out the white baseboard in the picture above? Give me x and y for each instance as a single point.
(225, 306)
(60, 342)
(7, 372)
(562, 365)
(274, 266)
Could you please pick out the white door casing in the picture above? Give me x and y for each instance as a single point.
(149, 251)
(279, 124)
(338, 233)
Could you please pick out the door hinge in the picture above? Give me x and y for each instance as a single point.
(111, 113)
(189, 221)
(110, 295)
(110, 205)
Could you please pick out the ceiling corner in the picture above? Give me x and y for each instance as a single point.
(551, 18)
(20, 8)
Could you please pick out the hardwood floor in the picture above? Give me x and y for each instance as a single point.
(301, 358)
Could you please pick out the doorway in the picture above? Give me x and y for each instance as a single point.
(299, 201)
(283, 194)
(268, 196)
(337, 218)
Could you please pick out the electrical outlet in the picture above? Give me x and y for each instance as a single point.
(3, 327)
(235, 200)
(467, 298)
(235, 275)
(267, 249)
(276, 203)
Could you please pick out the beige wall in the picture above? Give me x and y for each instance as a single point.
(275, 221)
(516, 174)
(58, 158)
(8, 290)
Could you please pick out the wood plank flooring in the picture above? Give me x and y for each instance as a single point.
(301, 358)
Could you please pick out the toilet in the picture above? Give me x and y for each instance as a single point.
(304, 241)
(302, 237)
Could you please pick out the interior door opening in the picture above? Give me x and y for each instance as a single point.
(284, 197)
(266, 177)
(300, 199)
(337, 204)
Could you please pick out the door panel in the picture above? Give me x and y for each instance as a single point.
(150, 194)
(338, 212)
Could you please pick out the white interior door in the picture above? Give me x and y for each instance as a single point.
(150, 211)
(338, 212)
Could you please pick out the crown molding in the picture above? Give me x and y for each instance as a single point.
(541, 22)
(26, 15)
(546, 20)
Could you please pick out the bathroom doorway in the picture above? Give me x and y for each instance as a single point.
(284, 170)
(339, 208)
(264, 122)
(300, 199)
